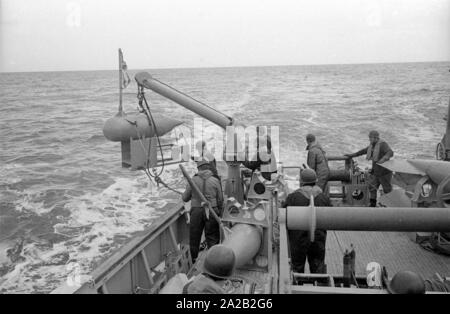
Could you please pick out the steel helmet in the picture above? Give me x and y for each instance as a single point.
(308, 176)
(219, 261)
(406, 282)
(202, 162)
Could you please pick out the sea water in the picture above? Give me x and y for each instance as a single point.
(65, 199)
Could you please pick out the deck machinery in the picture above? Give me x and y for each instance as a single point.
(257, 227)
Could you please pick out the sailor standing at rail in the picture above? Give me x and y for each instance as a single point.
(378, 151)
(317, 161)
(300, 244)
(211, 188)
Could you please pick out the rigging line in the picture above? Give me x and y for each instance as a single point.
(159, 180)
(339, 243)
(142, 144)
(152, 124)
(147, 173)
(141, 97)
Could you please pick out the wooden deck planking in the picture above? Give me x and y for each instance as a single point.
(394, 250)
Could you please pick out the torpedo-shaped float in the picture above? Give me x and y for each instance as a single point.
(138, 132)
(138, 135)
(124, 127)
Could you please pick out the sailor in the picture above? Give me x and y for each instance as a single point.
(218, 265)
(198, 221)
(408, 282)
(378, 151)
(404, 282)
(205, 154)
(264, 160)
(437, 285)
(317, 161)
(300, 244)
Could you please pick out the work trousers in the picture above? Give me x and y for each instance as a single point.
(376, 180)
(302, 248)
(197, 225)
(323, 185)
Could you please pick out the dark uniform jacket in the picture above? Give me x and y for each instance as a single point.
(209, 186)
(298, 198)
(380, 150)
(318, 162)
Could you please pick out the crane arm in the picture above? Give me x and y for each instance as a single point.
(146, 80)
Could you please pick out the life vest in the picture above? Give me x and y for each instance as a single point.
(309, 191)
(373, 153)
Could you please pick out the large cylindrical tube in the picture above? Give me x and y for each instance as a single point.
(368, 218)
(146, 80)
(339, 175)
(245, 241)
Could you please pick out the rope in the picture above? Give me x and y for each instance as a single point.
(147, 173)
(158, 180)
(152, 124)
(339, 243)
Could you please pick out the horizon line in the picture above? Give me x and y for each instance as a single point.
(229, 67)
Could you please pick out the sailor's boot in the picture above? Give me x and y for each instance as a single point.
(373, 203)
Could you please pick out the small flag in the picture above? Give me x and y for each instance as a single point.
(123, 66)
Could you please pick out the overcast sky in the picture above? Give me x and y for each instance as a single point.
(50, 35)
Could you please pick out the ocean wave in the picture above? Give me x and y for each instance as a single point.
(97, 224)
(69, 200)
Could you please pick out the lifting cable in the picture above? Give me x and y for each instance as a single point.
(151, 122)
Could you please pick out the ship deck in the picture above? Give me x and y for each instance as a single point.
(395, 250)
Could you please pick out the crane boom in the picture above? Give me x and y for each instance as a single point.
(146, 80)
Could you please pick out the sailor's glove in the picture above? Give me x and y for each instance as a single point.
(206, 206)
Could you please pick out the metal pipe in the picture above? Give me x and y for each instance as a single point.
(146, 80)
(447, 131)
(367, 218)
